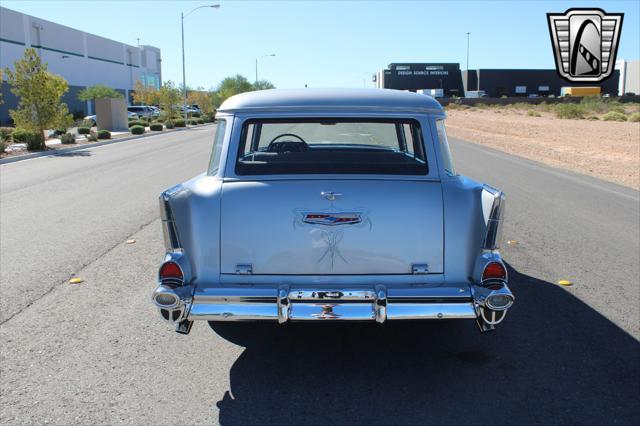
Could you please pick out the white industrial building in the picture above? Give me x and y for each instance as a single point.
(83, 59)
(629, 76)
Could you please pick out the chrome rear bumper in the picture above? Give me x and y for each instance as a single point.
(378, 304)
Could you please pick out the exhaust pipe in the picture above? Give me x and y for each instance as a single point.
(184, 327)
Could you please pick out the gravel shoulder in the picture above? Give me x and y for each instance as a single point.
(606, 150)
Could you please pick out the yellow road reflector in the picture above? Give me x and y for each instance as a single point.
(512, 242)
(565, 282)
(131, 241)
(76, 280)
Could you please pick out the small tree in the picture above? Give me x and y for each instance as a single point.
(40, 92)
(202, 98)
(145, 95)
(169, 98)
(231, 86)
(263, 85)
(98, 92)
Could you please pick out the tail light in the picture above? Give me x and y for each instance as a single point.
(171, 271)
(494, 271)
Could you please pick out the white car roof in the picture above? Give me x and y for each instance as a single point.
(331, 99)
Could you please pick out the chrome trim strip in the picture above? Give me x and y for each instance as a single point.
(493, 235)
(169, 230)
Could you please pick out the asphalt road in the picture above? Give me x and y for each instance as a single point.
(98, 352)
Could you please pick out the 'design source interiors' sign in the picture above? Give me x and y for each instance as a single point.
(423, 76)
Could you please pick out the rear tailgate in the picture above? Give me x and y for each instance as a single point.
(372, 227)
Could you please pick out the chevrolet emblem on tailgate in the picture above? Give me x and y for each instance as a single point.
(332, 219)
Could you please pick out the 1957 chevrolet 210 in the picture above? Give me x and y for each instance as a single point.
(331, 205)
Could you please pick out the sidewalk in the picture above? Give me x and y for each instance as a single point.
(55, 145)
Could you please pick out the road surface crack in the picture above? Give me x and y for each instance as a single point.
(83, 266)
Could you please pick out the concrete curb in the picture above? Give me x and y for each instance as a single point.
(53, 153)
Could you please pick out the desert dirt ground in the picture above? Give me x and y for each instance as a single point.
(604, 149)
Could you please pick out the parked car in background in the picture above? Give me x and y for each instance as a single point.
(92, 118)
(331, 205)
(190, 109)
(143, 111)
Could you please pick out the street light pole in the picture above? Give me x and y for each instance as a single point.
(263, 56)
(184, 78)
(468, 52)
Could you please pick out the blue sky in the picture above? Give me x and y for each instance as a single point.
(328, 44)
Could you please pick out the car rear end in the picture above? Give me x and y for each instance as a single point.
(338, 216)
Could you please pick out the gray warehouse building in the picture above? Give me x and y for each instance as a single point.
(81, 58)
(524, 82)
(496, 82)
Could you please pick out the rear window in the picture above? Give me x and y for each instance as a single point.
(319, 146)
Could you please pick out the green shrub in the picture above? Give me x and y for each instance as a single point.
(34, 140)
(196, 115)
(104, 134)
(635, 117)
(616, 106)
(137, 130)
(156, 127)
(3, 145)
(84, 130)
(87, 123)
(193, 121)
(169, 124)
(593, 118)
(570, 110)
(92, 137)
(208, 118)
(20, 135)
(59, 132)
(594, 103)
(179, 123)
(5, 133)
(68, 138)
(532, 113)
(137, 123)
(614, 116)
